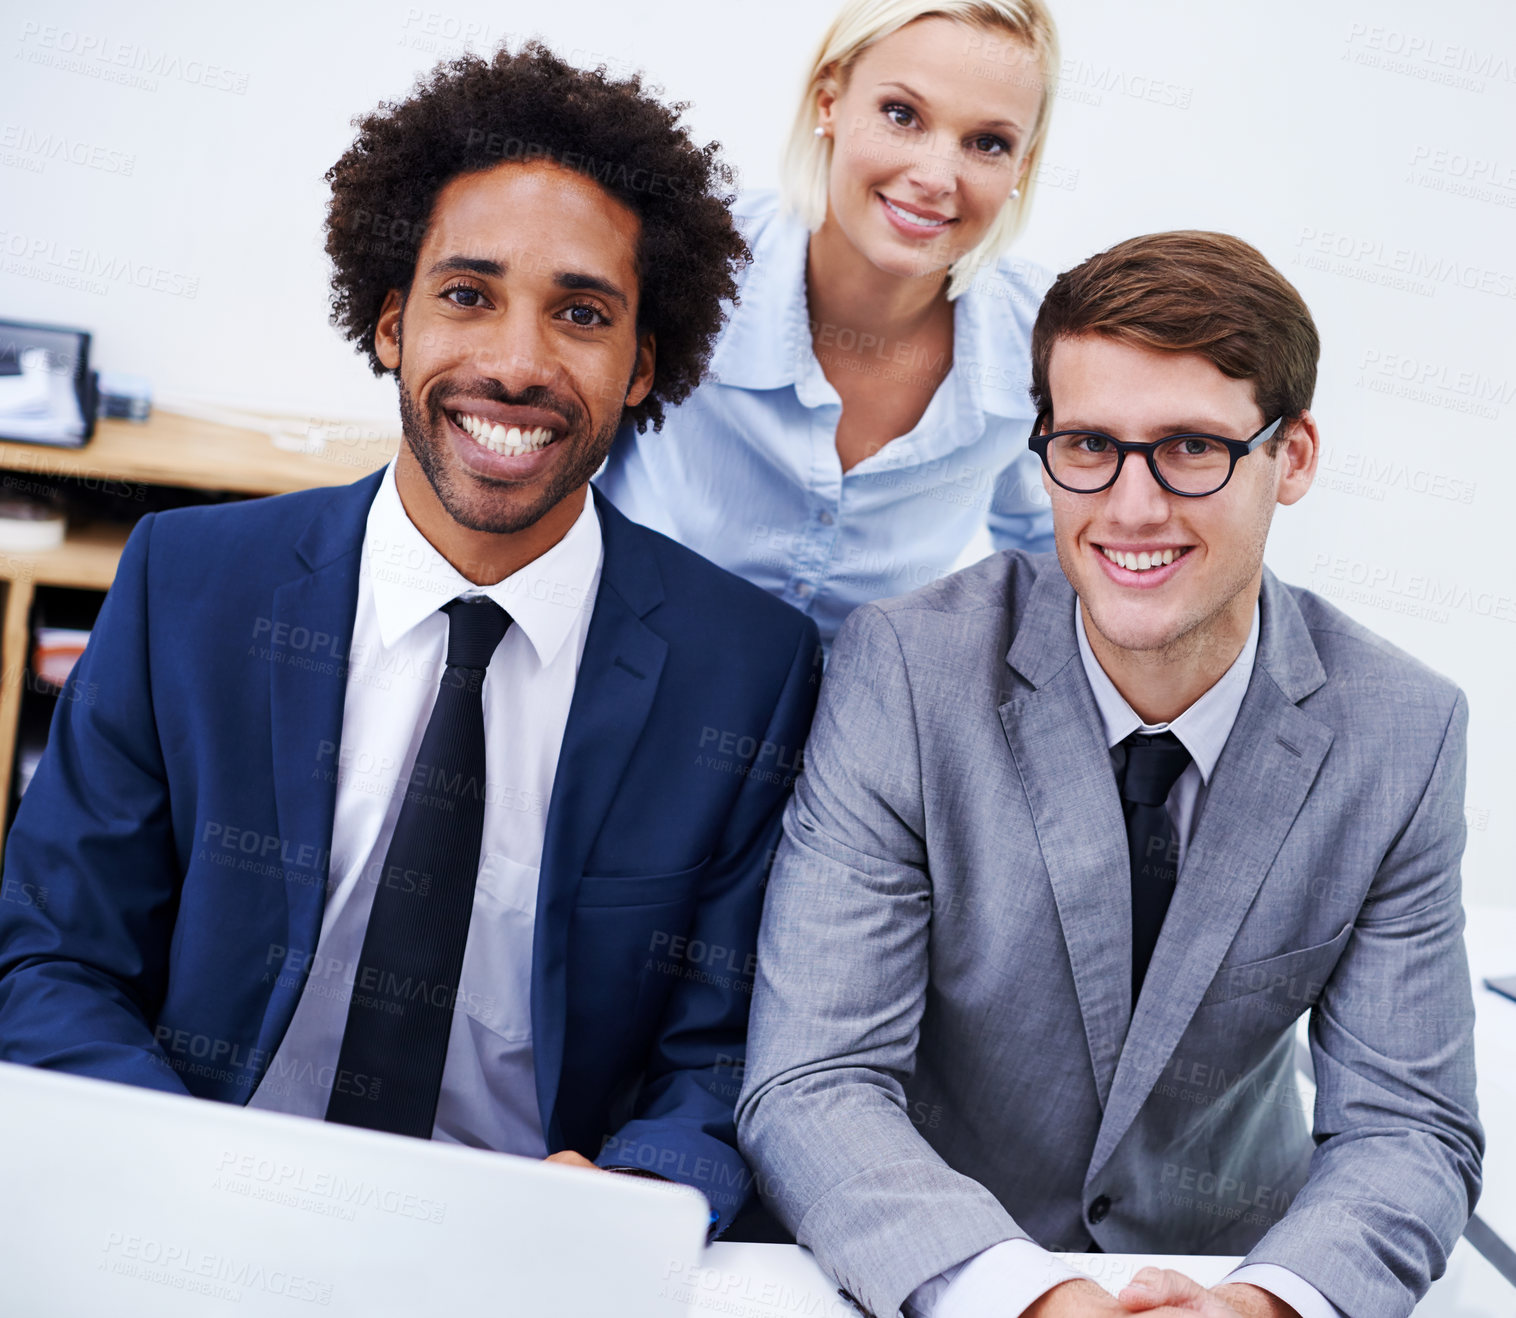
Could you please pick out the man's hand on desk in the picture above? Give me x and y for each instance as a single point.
(568, 1158)
(1162, 1291)
(1076, 1299)
(1158, 1293)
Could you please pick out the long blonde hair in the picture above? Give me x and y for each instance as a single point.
(858, 25)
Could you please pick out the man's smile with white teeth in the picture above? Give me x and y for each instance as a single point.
(1144, 561)
(508, 441)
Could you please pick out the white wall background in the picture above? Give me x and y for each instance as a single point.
(1367, 147)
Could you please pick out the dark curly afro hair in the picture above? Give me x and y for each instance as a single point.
(470, 114)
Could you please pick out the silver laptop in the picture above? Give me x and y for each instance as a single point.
(124, 1202)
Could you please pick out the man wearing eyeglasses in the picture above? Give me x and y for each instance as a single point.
(1078, 842)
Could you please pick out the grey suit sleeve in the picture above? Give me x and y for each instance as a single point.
(1396, 1171)
(842, 978)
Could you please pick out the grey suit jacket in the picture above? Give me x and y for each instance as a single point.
(943, 1052)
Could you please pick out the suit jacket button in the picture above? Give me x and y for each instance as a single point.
(1099, 1209)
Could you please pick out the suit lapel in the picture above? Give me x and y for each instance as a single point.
(613, 694)
(1056, 737)
(1262, 779)
(307, 688)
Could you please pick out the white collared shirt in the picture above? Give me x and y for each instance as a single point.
(399, 649)
(1202, 729)
(1006, 1279)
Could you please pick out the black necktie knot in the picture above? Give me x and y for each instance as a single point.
(1154, 762)
(474, 629)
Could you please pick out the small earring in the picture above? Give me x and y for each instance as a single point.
(820, 131)
(1015, 192)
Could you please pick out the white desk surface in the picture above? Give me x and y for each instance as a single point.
(764, 1281)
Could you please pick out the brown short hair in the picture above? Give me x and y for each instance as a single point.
(1189, 291)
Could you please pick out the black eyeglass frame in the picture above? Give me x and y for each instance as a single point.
(1236, 448)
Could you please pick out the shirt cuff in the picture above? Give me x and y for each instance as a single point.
(1285, 1285)
(999, 1282)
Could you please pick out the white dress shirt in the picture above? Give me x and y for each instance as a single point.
(399, 649)
(1008, 1278)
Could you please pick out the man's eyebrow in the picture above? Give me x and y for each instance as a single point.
(1197, 426)
(472, 265)
(577, 280)
(1208, 426)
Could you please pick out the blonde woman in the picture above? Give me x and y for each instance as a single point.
(866, 412)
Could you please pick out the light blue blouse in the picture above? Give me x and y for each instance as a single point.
(746, 470)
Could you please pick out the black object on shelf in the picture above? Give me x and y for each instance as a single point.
(48, 394)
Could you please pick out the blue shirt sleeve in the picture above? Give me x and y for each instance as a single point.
(1021, 516)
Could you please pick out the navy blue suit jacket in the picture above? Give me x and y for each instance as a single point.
(165, 876)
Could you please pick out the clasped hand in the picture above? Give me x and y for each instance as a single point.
(1159, 1293)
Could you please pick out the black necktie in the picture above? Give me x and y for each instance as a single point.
(1152, 766)
(389, 1071)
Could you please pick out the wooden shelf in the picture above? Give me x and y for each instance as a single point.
(166, 450)
(169, 449)
(86, 559)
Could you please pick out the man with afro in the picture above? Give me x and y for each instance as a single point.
(441, 803)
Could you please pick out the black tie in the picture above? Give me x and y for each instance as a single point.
(1152, 766)
(389, 1071)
